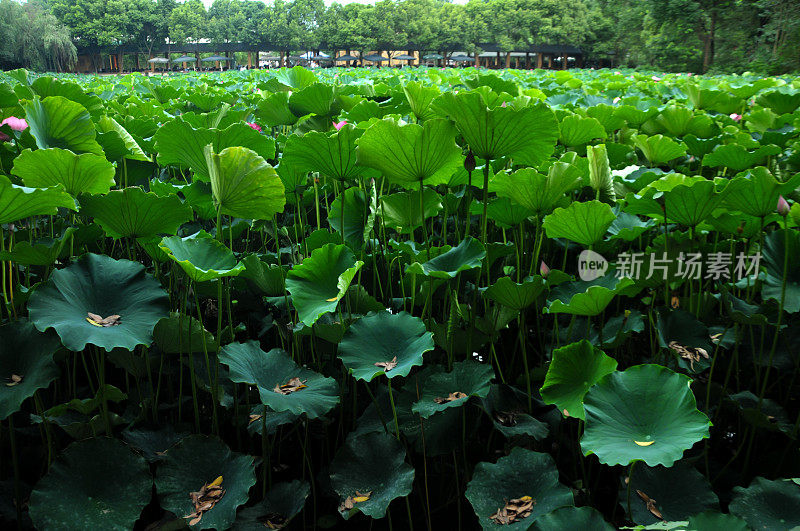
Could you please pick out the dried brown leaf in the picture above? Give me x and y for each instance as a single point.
(14, 379)
(456, 395)
(387, 365)
(293, 385)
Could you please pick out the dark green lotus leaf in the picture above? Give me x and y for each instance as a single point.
(197, 194)
(44, 251)
(401, 211)
(513, 295)
(646, 412)
(574, 369)
(714, 521)
(180, 333)
(690, 200)
(767, 504)
(584, 223)
(20, 202)
(153, 444)
(321, 280)
(86, 173)
(765, 413)
(586, 297)
(134, 213)
(243, 184)
(469, 254)
(685, 329)
(410, 154)
(202, 257)
(538, 193)
(359, 217)
(528, 135)
(755, 192)
(268, 370)
(331, 154)
(737, 157)
(467, 377)
(56, 122)
(575, 130)
(628, 227)
(27, 353)
(372, 462)
(520, 473)
(196, 461)
(179, 143)
(508, 406)
(261, 417)
(283, 502)
(777, 245)
(502, 211)
(95, 484)
(103, 286)
(80, 417)
(268, 278)
(586, 518)
(381, 337)
(658, 483)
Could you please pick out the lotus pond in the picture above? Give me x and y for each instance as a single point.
(400, 299)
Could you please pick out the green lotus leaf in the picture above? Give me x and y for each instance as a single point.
(28, 354)
(502, 211)
(469, 254)
(600, 173)
(692, 202)
(506, 405)
(685, 329)
(269, 420)
(179, 143)
(410, 154)
(520, 473)
(574, 369)
(331, 154)
(584, 223)
(645, 413)
(401, 211)
(179, 333)
(321, 280)
(419, 96)
(572, 518)
(196, 461)
(755, 192)
(268, 278)
(197, 194)
(86, 173)
(105, 287)
(285, 500)
(658, 483)
(782, 100)
(538, 193)
(679, 120)
(467, 377)
(516, 296)
(95, 484)
(714, 521)
(44, 251)
(375, 463)
(381, 337)
(273, 110)
(737, 157)
(107, 126)
(777, 245)
(134, 213)
(8, 98)
(575, 130)
(767, 504)
(318, 99)
(57, 122)
(659, 149)
(20, 202)
(153, 444)
(46, 86)
(268, 370)
(202, 257)
(638, 114)
(586, 297)
(528, 135)
(359, 218)
(765, 414)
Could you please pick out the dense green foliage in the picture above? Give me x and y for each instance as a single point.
(377, 298)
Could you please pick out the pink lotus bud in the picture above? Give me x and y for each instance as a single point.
(543, 269)
(255, 126)
(783, 206)
(503, 104)
(617, 72)
(17, 124)
(689, 74)
(338, 125)
(616, 100)
(736, 117)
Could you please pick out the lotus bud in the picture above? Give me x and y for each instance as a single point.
(783, 206)
(16, 124)
(255, 126)
(543, 269)
(735, 117)
(469, 161)
(338, 125)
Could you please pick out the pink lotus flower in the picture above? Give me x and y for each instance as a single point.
(655, 78)
(783, 206)
(736, 117)
(338, 125)
(255, 126)
(543, 269)
(503, 104)
(16, 124)
(616, 100)
(617, 72)
(689, 74)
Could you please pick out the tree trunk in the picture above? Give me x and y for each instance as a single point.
(539, 60)
(508, 59)
(282, 62)
(564, 61)
(708, 47)
(121, 64)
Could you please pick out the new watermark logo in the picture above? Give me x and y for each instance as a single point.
(591, 265)
(690, 266)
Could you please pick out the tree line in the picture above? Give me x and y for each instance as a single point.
(673, 35)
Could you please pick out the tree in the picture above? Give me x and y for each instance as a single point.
(187, 22)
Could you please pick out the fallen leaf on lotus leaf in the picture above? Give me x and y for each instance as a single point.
(205, 499)
(650, 504)
(293, 385)
(456, 395)
(690, 354)
(387, 365)
(514, 510)
(507, 418)
(105, 322)
(15, 379)
(274, 521)
(351, 501)
(254, 418)
(643, 443)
